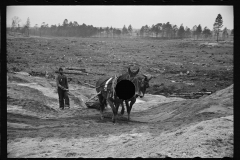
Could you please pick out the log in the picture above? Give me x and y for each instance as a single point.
(78, 72)
(81, 69)
(191, 95)
(76, 68)
(73, 72)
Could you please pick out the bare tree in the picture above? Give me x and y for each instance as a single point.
(28, 25)
(15, 22)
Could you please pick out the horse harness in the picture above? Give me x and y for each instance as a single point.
(114, 83)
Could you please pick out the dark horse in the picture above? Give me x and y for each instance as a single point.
(107, 95)
(141, 83)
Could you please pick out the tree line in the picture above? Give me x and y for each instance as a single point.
(163, 30)
(168, 30)
(73, 29)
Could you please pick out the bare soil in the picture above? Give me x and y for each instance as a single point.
(160, 126)
(210, 66)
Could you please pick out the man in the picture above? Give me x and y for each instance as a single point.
(62, 89)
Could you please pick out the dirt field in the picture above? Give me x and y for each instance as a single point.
(210, 66)
(160, 126)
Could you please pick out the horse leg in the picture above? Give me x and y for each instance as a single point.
(104, 103)
(122, 111)
(117, 104)
(101, 100)
(133, 100)
(128, 110)
(110, 102)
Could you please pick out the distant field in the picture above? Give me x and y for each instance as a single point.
(210, 66)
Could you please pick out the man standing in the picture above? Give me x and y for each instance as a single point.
(62, 88)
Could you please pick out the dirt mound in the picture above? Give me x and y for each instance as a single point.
(159, 126)
(205, 139)
(216, 105)
(36, 95)
(17, 78)
(222, 95)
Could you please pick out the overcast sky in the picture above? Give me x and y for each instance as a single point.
(117, 16)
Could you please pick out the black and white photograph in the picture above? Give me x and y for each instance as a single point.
(119, 81)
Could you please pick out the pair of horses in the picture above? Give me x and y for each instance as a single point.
(141, 83)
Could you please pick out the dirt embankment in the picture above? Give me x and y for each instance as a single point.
(159, 126)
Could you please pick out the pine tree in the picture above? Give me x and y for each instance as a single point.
(218, 25)
(194, 29)
(146, 30)
(111, 30)
(124, 30)
(187, 32)
(181, 31)
(158, 28)
(142, 31)
(153, 29)
(130, 29)
(225, 34)
(175, 29)
(206, 32)
(28, 25)
(107, 31)
(168, 28)
(199, 30)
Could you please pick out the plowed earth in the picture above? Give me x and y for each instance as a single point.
(159, 127)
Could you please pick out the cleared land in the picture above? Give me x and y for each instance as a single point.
(160, 126)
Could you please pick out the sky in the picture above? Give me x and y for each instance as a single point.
(118, 16)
